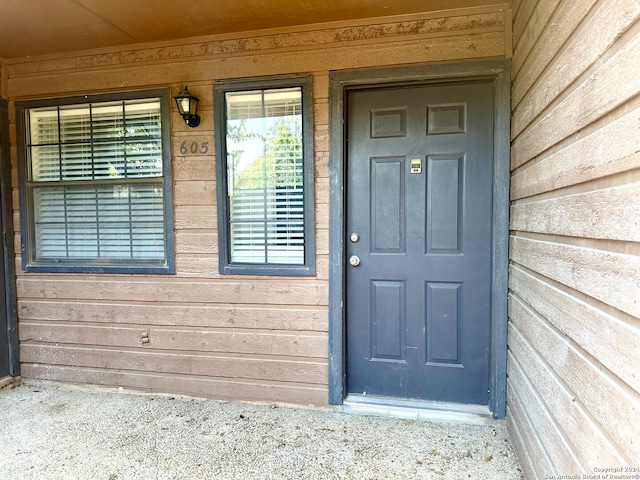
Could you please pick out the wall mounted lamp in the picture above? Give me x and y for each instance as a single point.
(187, 106)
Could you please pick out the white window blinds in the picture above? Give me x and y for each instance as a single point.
(95, 182)
(265, 176)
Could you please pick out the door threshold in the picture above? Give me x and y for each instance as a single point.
(418, 410)
(9, 382)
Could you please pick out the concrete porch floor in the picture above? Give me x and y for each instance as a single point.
(49, 431)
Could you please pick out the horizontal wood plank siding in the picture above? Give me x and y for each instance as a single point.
(198, 332)
(203, 385)
(3, 78)
(574, 283)
(179, 362)
(294, 344)
(215, 315)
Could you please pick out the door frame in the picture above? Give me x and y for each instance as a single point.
(340, 84)
(8, 274)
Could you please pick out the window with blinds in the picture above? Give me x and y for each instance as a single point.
(267, 179)
(95, 184)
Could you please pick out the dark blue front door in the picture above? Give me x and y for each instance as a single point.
(418, 291)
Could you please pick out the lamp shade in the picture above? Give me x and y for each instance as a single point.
(187, 103)
(187, 106)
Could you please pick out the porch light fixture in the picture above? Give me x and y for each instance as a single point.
(187, 106)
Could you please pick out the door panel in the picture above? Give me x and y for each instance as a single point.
(443, 323)
(387, 205)
(388, 321)
(445, 184)
(419, 172)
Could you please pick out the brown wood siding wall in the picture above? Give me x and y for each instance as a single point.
(3, 78)
(229, 337)
(574, 302)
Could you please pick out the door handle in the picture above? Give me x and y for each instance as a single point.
(354, 260)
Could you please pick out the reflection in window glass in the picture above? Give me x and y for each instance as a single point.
(265, 176)
(96, 184)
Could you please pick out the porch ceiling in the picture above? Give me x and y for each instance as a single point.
(37, 27)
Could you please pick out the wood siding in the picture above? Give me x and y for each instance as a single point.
(3, 78)
(574, 301)
(250, 338)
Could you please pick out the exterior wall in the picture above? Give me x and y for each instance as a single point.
(228, 337)
(574, 322)
(3, 79)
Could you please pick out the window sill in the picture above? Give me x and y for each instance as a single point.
(273, 270)
(115, 269)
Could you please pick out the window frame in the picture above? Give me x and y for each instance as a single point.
(27, 217)
(221, 88)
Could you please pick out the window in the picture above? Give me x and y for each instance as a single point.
(95, 183)
(265, 176)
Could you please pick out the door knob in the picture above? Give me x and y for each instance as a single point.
(354, 260)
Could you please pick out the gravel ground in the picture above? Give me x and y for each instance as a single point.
(53, 432)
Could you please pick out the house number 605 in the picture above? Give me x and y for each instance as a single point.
(195, 148)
